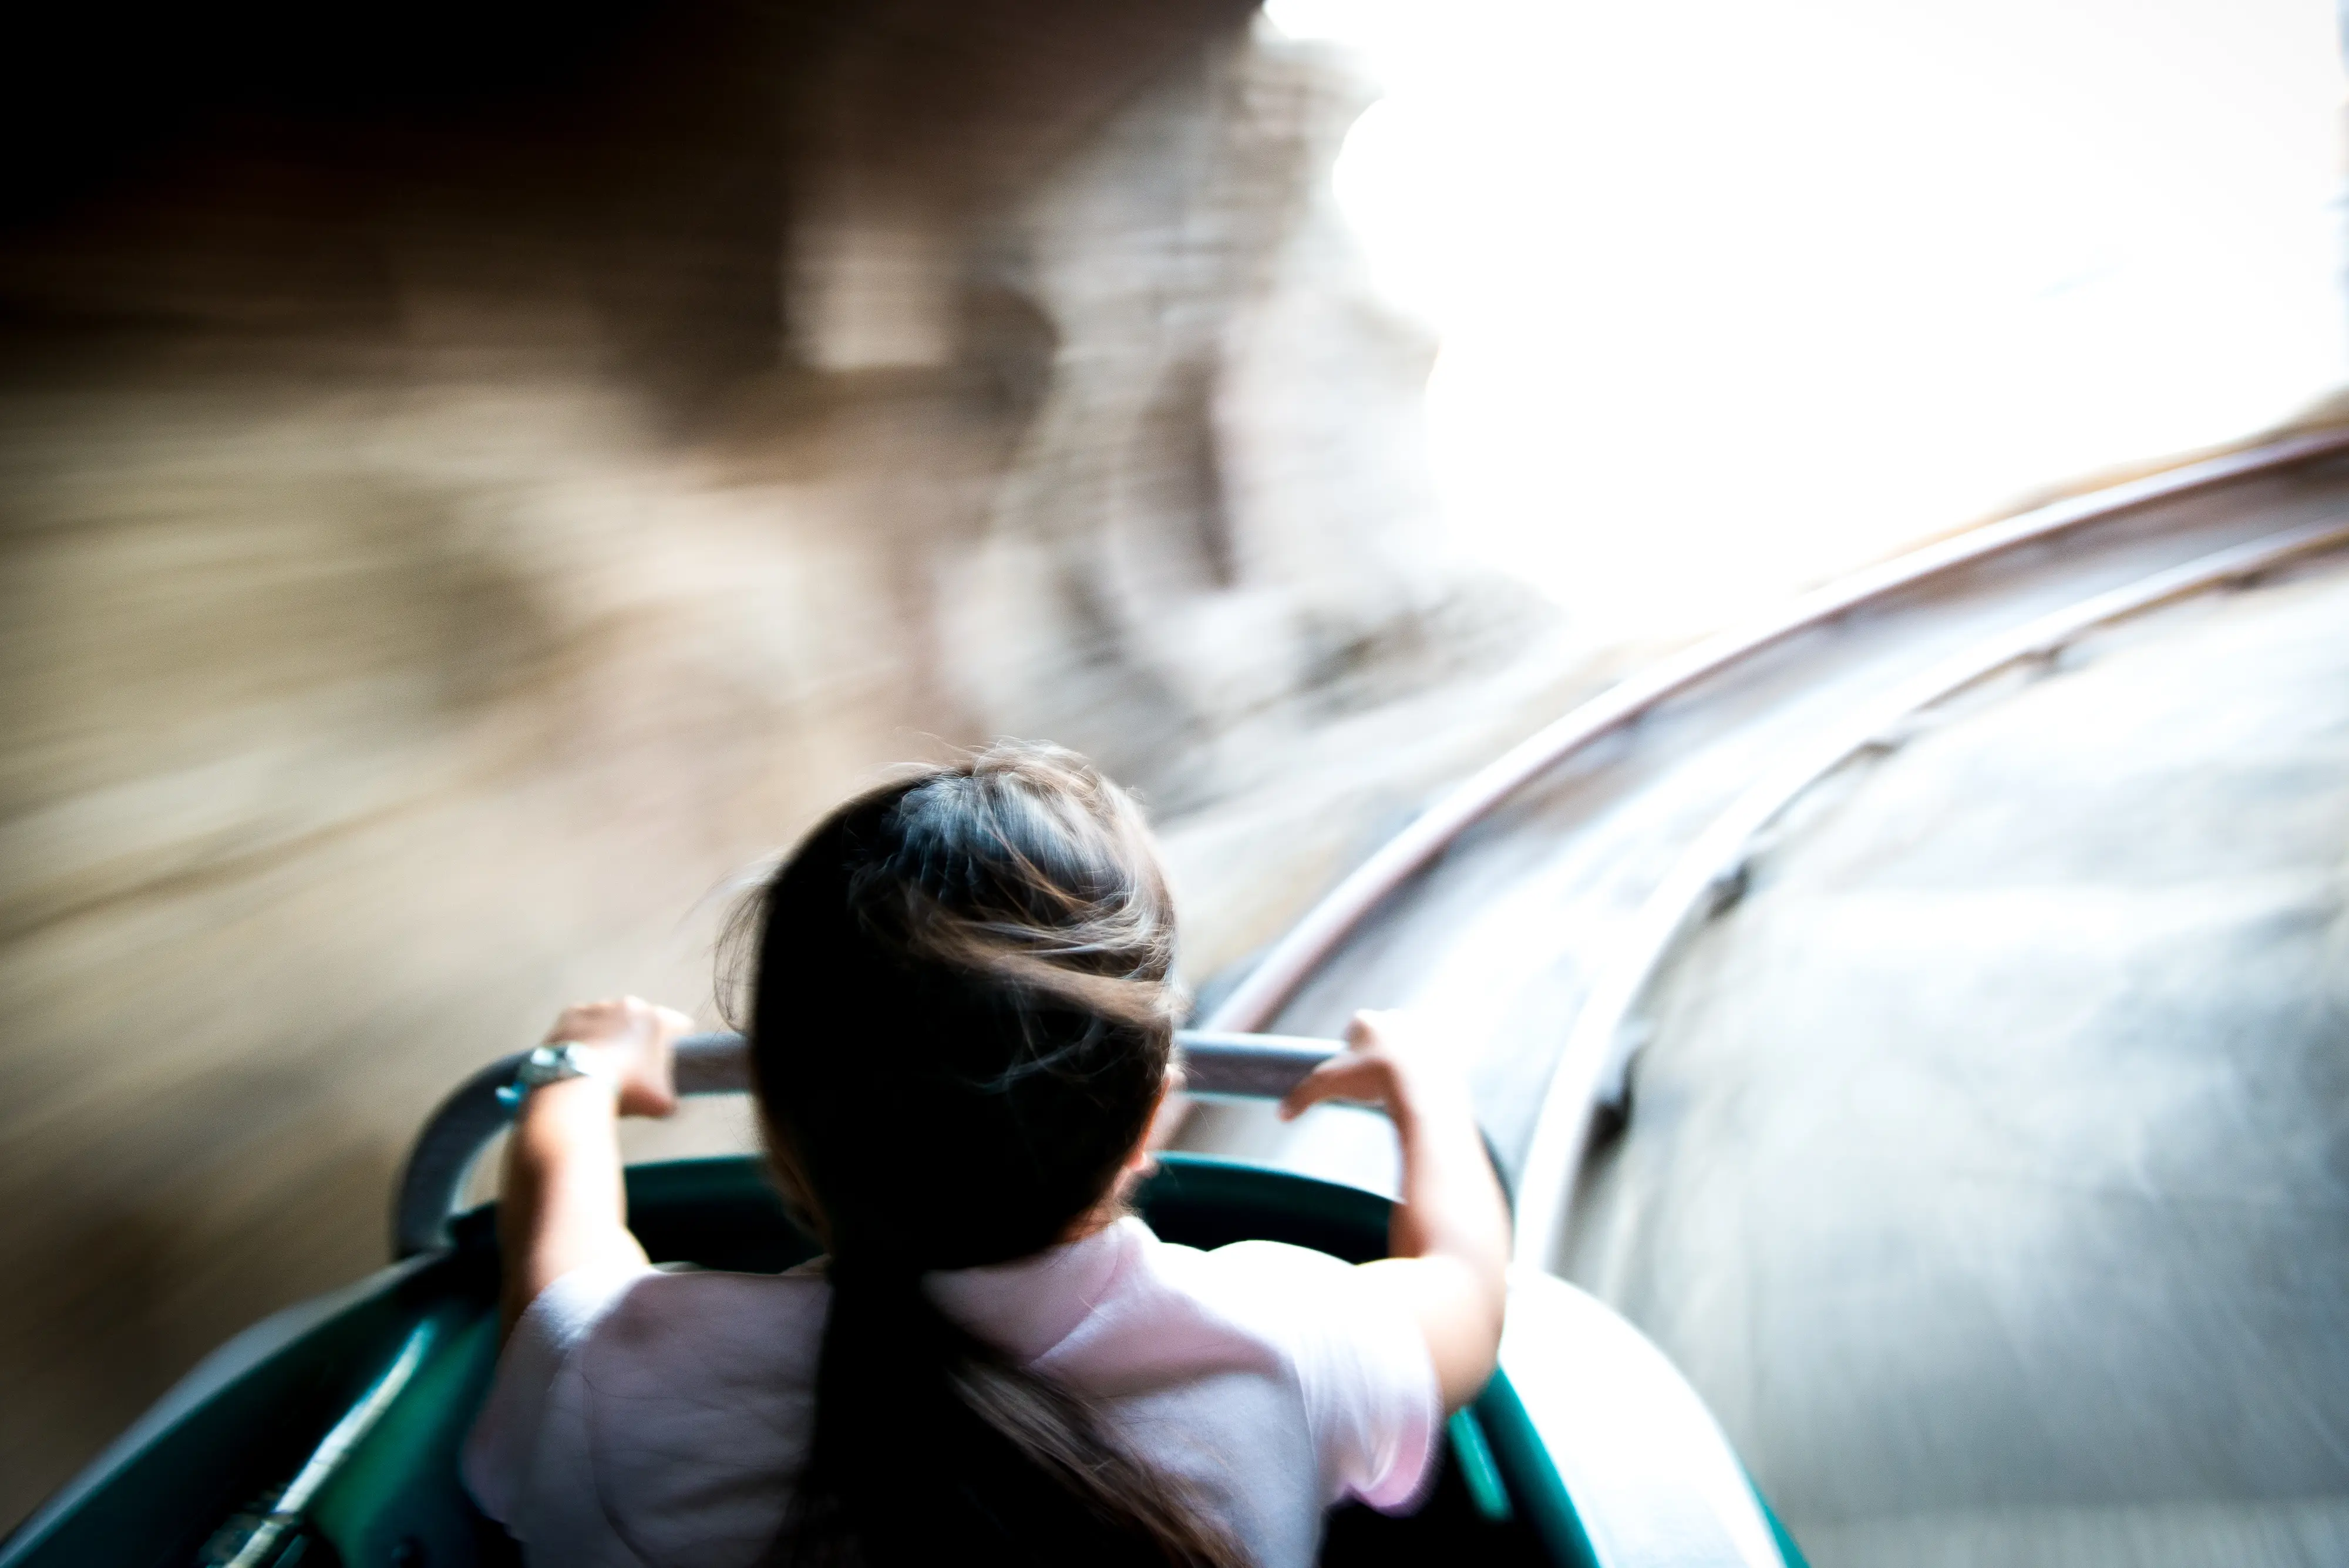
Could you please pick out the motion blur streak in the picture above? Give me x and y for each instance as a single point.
(474, 482)
(475, 485)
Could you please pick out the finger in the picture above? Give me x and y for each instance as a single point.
(1332, 1082)
(640, 1099)
(1338, 1079)
(1370, 1028)
(581, 1020)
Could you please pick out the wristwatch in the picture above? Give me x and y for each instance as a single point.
(551, 1064)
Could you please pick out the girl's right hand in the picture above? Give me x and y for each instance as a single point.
(638, 1040)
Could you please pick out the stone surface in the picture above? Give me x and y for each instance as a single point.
(1985, 1167)
(465, 504)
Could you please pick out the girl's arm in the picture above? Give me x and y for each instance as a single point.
(562, 1205)
(1450, 1233)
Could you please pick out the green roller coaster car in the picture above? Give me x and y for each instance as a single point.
(329, 1433)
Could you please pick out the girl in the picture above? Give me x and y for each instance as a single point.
(962, 1014)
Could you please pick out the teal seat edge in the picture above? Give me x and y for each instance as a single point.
(241, 1421)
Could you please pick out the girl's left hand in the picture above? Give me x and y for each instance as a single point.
(638, 1040)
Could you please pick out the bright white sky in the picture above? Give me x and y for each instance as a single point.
(1735, 293)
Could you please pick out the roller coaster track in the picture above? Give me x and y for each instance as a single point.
(1530, 906)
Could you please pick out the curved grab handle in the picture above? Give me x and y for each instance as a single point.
(1213, 1063)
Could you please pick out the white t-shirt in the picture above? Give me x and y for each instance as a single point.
(643, 1418)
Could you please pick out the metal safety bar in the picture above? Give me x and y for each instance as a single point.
(1214, 1062)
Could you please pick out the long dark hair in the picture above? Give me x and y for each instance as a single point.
(963, 1012)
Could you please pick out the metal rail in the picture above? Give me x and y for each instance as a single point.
(1591, 1068)
(1266, 988)
(432, 1184)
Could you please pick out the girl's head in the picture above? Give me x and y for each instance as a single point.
(963, 1012)
(964, 1008)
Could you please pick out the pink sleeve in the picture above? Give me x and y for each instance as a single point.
(504, 1437)
(1372, 1401)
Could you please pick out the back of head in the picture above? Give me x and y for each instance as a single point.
(963, 1016)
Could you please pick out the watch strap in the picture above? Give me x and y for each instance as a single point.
(553, 1062)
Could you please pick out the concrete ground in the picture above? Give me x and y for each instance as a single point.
(1987, 1170)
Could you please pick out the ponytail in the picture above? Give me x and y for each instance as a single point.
(963, 1017)
(932, 1446)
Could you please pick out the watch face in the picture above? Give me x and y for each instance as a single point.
(547, 1064)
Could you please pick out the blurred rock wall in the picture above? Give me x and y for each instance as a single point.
(473, 483)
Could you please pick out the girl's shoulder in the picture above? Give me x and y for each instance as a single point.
(661, 1313)
(649, 1344)
(1353, 1360)
(1270, 1279)
(1172, 1310)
